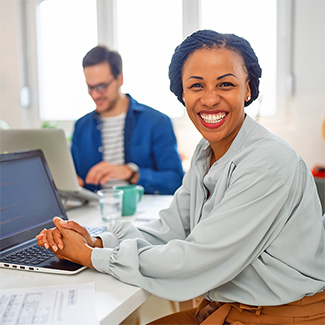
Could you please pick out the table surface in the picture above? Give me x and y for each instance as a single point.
(114, 300)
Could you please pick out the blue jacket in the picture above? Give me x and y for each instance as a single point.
(149, 142)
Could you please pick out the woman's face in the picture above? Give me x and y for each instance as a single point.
(215, 87)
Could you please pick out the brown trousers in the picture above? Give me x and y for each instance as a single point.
(308, 310)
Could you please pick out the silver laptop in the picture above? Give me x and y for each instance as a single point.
(55, 147)
(29, 201)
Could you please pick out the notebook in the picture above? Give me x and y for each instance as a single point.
(29, 201)
(55, 147)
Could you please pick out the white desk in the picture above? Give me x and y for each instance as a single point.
(114, 300)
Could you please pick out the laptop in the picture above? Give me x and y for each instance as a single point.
(57, 153)
(29, 201)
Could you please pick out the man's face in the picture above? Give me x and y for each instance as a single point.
(103, 87)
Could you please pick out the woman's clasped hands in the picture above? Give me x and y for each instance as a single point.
(69, 241)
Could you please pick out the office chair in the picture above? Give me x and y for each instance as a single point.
(320, 184)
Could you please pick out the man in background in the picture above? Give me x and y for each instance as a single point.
(122, 141)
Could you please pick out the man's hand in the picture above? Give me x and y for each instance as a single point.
(80, 181)
(103, 172)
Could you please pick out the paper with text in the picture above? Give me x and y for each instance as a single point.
(68, 304)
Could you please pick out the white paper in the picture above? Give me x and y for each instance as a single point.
(150, 208)
(72, 304)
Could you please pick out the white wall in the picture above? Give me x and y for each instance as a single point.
(299, 122)
(10, 82)
(300, 115)
(302, 121)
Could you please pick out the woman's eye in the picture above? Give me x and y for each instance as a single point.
(196, 85)
(227, 84)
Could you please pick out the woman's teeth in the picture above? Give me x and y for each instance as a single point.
(212, 118)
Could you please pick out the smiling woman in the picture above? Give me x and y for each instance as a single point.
(215, 89)
(244, 230)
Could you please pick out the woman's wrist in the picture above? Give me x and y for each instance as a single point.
(86, 259)
(98, 243)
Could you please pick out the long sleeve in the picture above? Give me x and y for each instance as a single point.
(86, 147)
(218, 245)
(150, 142)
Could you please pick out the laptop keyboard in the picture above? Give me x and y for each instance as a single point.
(94, 231)
(31, 256)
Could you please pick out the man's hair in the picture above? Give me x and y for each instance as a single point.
(212, 39)
(100, 54)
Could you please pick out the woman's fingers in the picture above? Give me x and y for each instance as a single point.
(50, 238)
(75, 226)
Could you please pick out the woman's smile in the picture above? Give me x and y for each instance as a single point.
(215, 87)
(212, 120)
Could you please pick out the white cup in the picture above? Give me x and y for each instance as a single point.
(110, 202)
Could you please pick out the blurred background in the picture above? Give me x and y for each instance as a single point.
(42, 44)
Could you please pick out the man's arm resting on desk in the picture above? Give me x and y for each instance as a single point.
(104, 171)
(69, 241)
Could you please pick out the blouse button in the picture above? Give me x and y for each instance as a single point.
(100, 149)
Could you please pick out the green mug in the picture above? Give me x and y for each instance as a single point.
(131, 196)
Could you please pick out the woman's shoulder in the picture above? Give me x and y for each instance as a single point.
(265, 150)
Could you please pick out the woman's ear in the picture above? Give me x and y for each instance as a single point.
(248, 92)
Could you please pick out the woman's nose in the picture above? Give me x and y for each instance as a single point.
(210, 98)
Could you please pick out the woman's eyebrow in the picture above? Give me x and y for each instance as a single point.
(223, 76)
(195, 77)
(226, 75)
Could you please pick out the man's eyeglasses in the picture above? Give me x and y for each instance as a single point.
(99, 87)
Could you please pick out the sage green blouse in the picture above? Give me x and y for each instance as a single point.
(256, 239)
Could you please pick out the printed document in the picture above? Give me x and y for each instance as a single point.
(50, 305)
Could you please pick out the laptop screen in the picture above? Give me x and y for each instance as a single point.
(28, 197)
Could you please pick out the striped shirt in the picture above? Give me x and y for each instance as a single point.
(113, 143)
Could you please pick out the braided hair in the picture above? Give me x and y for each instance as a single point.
(212, 39)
